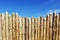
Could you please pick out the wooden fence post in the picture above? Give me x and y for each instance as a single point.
(17, 28)
(27, 28)
(47, 25)
(44, 25)
(36, 29)
(50, 25)
(3, 26)
(7, 27)
(23, 28)
(39, 28)
(32, 20)
(54, 27)
(13, 26)
(0, 29)
(30, 29)
(10, 27)
(57, 27)
(41, 25)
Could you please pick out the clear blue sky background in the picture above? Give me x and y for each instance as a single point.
(29, 8)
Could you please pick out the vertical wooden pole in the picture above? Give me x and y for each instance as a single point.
(0, 29)
(13, 26)
(39, 29)
(44, 25)
(3, 27)
(47, 25)
(7, 27)
(50, 25)
(17, 28)
(10, 28)
(21, 34)
(57, 27)
(23, 28)
(54, 27)
(27, 30)
(36, 30)
(32, 28)
(41, 25)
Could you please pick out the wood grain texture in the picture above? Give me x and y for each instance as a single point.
(30, 29)
(39, 28)
(16, 27)
(10, 28)
(33, 28)
(50, 25)
(0, 29)
(36, 30)
(44, 25)
(47, 25)
(3, 27)
(24, 29)
(54, 27)
(42, 31)
(13, 26)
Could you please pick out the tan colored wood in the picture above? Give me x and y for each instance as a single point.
(0, 29)
(32, 28)
(36, 30)
(50, 25)
(27, 30)
(47, 25)
(10, 28)
(54, 27)
(44, 25)
(3, 27)
(13, 26)
(41, 25)
(57, 28)
(39, 29)
(16, 27)
(23, 28)
(59, 25)
(7, 27)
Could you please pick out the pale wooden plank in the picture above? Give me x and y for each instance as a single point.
(16, 27)
(10, 27)
(0, 29)
(13, 26)
(54, 27)
(47, 25)
(57, 28)
(7, 27)
(27, 30)
(30, 29)
(41, 25)
(59, 25)
(50, 25)
(36, 29)
(44, 25)
(32, 20)
(39, 29)
(3, 27)
(23, 28)
(21, 31)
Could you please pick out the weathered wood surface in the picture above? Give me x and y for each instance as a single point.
(15, 27)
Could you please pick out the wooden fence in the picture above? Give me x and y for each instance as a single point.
(15, 27)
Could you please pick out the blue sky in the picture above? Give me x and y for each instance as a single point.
(29, 8)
